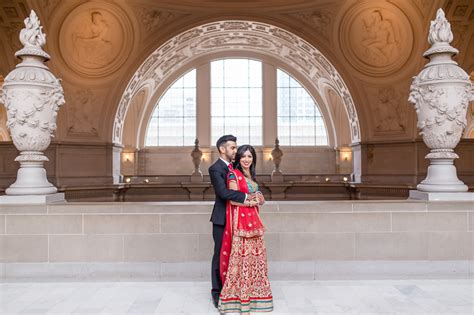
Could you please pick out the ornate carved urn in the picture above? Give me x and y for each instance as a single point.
(32, 96)
(441, 94)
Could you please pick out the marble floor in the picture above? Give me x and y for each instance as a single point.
(290, 297)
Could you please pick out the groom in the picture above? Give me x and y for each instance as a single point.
(227, 148)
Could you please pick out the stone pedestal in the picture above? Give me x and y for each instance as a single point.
(32, 199)
(441, 196)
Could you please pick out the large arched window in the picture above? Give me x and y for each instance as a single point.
(300, 122)
(232, 91)
(236, 99)
(173, 122)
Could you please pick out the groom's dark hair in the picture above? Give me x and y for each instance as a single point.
(222, 140)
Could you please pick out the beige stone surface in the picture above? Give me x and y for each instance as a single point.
(205, 247)
(44, 224)
(164, 247)
(314, 246)
(24, 248)
(85, 248)
(391, 246)
(450, 206)
(22, 209)
(288, 222)
(389, 206)
(273, 245)
(186, 223)
(430, 221)
(447, 245)
(318, 206)
(177, 232)
(121, 224)
(353, 222)
(77, 208)
(2, 224)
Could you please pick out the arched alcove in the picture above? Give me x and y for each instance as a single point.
(238, 36)
(273, 46)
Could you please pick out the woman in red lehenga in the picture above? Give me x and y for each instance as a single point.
(243, 258)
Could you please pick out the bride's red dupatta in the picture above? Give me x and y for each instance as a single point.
(247, 224)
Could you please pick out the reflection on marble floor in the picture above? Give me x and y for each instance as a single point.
(290, 297)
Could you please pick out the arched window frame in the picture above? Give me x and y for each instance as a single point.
(270, 66)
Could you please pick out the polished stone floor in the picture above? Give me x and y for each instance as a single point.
(290, 297)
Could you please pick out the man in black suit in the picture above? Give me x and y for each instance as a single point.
(227, 147)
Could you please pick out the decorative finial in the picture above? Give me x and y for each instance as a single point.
(440, 36)
(32, 37)
(33, 34)
(440, 30)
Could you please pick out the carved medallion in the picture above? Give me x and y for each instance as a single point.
(95, 39)
(376, 39)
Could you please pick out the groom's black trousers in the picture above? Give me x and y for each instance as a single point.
(217, 232)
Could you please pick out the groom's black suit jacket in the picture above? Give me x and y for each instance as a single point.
(218, 173)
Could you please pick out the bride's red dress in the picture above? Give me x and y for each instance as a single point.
(243, 258)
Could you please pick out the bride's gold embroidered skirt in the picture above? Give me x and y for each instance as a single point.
(246, 288)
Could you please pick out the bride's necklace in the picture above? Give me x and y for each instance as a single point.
(249, 179)
(247, 174)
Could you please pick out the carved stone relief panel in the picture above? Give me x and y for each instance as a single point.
(153, 19)
(96, 39)
(388, 110)
(376, 38)
(320, 20)
(84, 109)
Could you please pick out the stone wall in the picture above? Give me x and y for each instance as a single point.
(304, 239)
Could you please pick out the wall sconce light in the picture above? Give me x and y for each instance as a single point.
(128, 157)
(128, 180)
(146, 180)
(345, 179)
(327, 179)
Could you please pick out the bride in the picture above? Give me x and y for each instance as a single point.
(243, 257)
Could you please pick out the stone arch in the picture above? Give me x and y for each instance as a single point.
(152, 100)
(236, 36)
(338, 115)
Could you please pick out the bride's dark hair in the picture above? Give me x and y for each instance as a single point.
(240, 151)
